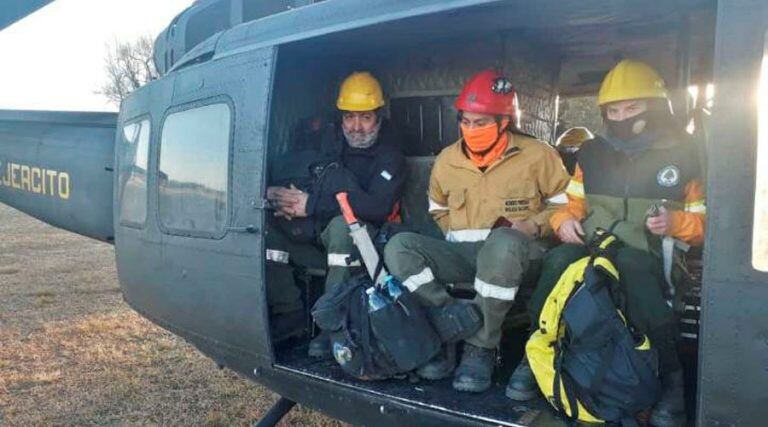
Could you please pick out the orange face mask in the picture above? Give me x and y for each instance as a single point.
(480, 143)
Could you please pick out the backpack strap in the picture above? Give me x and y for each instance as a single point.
(559, 380)
(365, 332)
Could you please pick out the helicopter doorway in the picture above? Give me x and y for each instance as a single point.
(422, 64)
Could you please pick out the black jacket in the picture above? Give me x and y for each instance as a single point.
(374, 178)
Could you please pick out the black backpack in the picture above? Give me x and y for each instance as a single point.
(313, 156)
(370, 345)
(589, 361)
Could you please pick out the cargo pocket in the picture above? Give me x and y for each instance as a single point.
(457, 203)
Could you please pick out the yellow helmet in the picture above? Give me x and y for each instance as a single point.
(573, 137)
(360, 91)
(631, 80)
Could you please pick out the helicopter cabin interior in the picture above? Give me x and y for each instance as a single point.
(551, 52)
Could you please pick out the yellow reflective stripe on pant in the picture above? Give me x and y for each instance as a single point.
(340, 260)
(489, 290)
(277, 256)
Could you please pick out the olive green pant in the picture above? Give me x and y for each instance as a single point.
(334, 250)
(640, 280)
(427, 265)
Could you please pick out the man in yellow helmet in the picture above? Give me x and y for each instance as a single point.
(568, 145)
(361, 157)
(643, 182)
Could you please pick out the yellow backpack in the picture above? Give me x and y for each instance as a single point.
(589, 363)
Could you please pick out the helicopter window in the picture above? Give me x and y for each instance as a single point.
(428, 124)
(133, 174)
(760, 232)
(194, 171)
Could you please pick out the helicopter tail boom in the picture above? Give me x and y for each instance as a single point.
(58, 168)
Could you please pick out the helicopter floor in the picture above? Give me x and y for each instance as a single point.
(491, 406)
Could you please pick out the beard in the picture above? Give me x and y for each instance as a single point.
(362, 139)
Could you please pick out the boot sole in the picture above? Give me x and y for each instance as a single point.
(434, 377)
(521, 396)
(475, 387)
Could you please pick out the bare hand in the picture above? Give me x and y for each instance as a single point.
(527, 227)
(272, 192)
(287, 197)
(283, 213)
(300, 207)
(659, 224)
(571, 231)
(290, 202)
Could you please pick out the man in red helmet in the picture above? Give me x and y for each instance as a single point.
(491, 193)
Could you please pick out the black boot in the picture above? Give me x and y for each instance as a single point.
(320, 346)
(441, 366)
(670, 410)
(522, 384)
(475, 370)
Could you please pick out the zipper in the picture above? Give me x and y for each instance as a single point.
(627, 177)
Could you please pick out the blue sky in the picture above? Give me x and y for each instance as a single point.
(54, 58)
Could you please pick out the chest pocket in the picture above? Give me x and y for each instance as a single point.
(457, 204)
(517, 200)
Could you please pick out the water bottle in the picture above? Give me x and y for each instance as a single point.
(376, 301)
(394, 287)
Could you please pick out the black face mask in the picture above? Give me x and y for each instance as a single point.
(630, 128)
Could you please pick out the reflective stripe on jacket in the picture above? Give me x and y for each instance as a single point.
(610, 188)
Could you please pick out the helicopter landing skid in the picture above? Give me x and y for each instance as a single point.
(275, 413)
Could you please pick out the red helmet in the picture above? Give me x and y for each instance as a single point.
(488, 92)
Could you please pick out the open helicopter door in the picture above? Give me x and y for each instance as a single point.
(188, 210)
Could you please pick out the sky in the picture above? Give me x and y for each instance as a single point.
(54, 58)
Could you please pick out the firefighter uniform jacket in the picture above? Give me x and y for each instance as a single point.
(613, 189)
(527, 182)
(374, 177)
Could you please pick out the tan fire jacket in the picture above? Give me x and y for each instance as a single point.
(528, 181)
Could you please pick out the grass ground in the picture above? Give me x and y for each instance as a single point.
(73, 353)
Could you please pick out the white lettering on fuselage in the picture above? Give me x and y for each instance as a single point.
(34, 179)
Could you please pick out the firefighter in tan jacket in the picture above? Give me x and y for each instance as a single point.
(492, 193)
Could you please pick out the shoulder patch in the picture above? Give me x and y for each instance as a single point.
(668, 176)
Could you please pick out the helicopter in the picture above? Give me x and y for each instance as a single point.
(176, 180)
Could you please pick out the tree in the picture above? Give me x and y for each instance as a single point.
(128, 66)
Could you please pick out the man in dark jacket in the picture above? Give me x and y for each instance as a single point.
(362, 159)
(643, 182)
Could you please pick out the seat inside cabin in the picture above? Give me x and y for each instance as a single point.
(555, 56)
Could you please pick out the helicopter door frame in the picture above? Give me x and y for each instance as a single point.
(733, 346)
(206, 286)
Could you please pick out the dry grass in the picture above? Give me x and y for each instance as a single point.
(72, 353)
